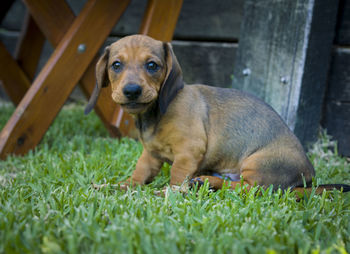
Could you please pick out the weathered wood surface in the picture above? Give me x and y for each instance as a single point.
(207, 63)
(283, 58)
(339, 77)
(199, 19)
(336, 115)
(343, 24)
(51, 88)
(210, 20)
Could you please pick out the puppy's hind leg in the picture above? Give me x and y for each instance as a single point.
(217, 181)
(214, 181)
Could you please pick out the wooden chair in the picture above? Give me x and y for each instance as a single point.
(76, 41)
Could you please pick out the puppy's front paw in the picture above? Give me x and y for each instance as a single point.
(196, 182)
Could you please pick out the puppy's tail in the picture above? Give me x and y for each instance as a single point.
(319, 189)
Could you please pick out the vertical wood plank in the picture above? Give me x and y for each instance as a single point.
(336, 115)
(160, 19)
(343, 24)
(283, 58)
(63, 70)
(316, 68)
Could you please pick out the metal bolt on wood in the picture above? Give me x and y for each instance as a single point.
(246, 72)
(284, 80)
(81, 48)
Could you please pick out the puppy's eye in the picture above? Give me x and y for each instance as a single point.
(152, 66)
(117, 66)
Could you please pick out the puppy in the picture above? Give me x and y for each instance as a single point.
(204, 132)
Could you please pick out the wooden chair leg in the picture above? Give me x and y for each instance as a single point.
(17, 75)
(160, 19)
(158, 22)
(55, 82)
(124, 122)
(29, 47)
(54, 18)
(14, 80)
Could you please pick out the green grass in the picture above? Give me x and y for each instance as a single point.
(47, 204)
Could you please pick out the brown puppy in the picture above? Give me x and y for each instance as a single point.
(201, 130)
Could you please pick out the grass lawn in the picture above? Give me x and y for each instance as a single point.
(47, 204)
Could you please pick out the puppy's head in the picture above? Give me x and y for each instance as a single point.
(141, 71)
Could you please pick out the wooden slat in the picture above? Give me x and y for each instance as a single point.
(204, 20)
(54, 26)
(159, 22)
(343, 24)
(160, 19)
(29, 47)
(208, 63)
(283, 58)
(14, 80)
(55, 82)
(54, 17)
(125, 123)
(210, 20)
(336, 114)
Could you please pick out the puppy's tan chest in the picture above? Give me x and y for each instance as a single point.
(160, 151)
(158, 147)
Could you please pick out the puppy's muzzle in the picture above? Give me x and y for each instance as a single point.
(132, 91)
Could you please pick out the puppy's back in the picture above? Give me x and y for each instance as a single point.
(242, 116)
(239, 124)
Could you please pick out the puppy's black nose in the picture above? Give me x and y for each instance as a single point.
(132, 91)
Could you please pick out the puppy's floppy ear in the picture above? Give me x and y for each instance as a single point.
(101, 80)
(173, 79)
